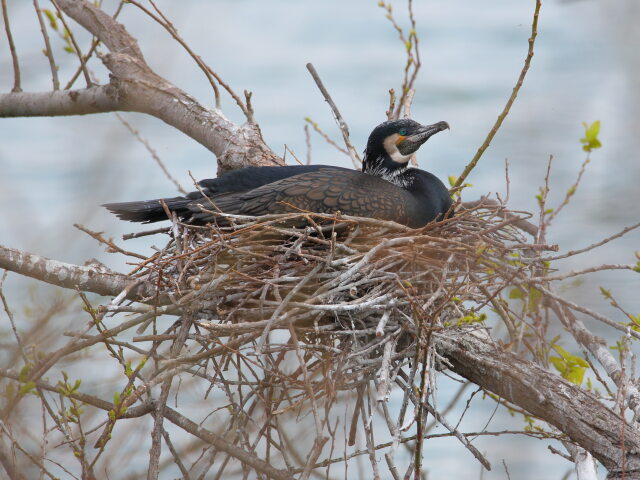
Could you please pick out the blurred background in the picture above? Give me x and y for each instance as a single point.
(55, 172)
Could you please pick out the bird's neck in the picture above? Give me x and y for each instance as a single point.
(384, 167)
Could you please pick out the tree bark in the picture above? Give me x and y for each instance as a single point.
(66, 275)
(549, 397)
(60, 102)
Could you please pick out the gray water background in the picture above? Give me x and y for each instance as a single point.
(57, 171)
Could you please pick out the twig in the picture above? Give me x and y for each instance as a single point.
(569, 193)
(326, 137)
(48, 51)
(94, 45)
(586, 311)
(168, 26)
(293, 154)
(313, 456)
(76, 48)
(129, 236)
(114, 248)
(152, 152)
(307, 139)
(411, 44)
(384, 373)
(406, 107)
(12, 49)
(382, 323)
(507, 107)
(355, 158)
(283, 305)
(392, 104)
(572, 253)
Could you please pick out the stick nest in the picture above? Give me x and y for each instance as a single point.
(323, 304)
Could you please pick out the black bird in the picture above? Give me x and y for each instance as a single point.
(385, 189)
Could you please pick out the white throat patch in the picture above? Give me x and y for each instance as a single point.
(392, 149)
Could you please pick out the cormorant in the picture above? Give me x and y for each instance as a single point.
(385, 189)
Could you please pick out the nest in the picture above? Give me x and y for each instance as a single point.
(319, 304)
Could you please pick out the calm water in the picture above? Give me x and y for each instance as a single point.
(56, 172)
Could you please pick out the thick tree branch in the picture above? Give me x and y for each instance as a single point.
(111, 33)
(135, 87)
(65, 275)
(592, 425)
(60, 102)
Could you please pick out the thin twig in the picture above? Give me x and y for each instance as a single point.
(48, 51)
(76, 48)
(210, 74)
(353, 154)
(12, 49)
(507, 107)
(152, 151)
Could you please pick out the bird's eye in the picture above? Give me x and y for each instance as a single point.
(403, 131)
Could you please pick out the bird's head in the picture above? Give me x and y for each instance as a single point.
(392, 143)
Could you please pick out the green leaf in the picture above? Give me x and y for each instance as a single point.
(27, 388)
(571, 367)
(560, 364)
(593, 130)
(51, 17)
(575, 375)
(563, 353)
(534, 299)
(590, 140)
(516, 293)
(539, 198)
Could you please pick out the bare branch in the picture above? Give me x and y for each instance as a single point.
(60, 102)
(221, 444)
(47, 44)
(12, 49)
(507, 107)
(547, 396)
(135, 87)
(76, 48)
(355, 158)
(152, 151)
(65, 275)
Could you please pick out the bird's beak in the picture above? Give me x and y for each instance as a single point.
(413, 142)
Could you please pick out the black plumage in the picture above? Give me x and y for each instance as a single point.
(235, 181)
(386, 189)
(348, 191)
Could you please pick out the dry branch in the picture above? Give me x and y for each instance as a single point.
(505, 111)
(134, 86)
(591, 425)
(93, 279)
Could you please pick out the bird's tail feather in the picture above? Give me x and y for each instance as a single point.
(149, 211)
